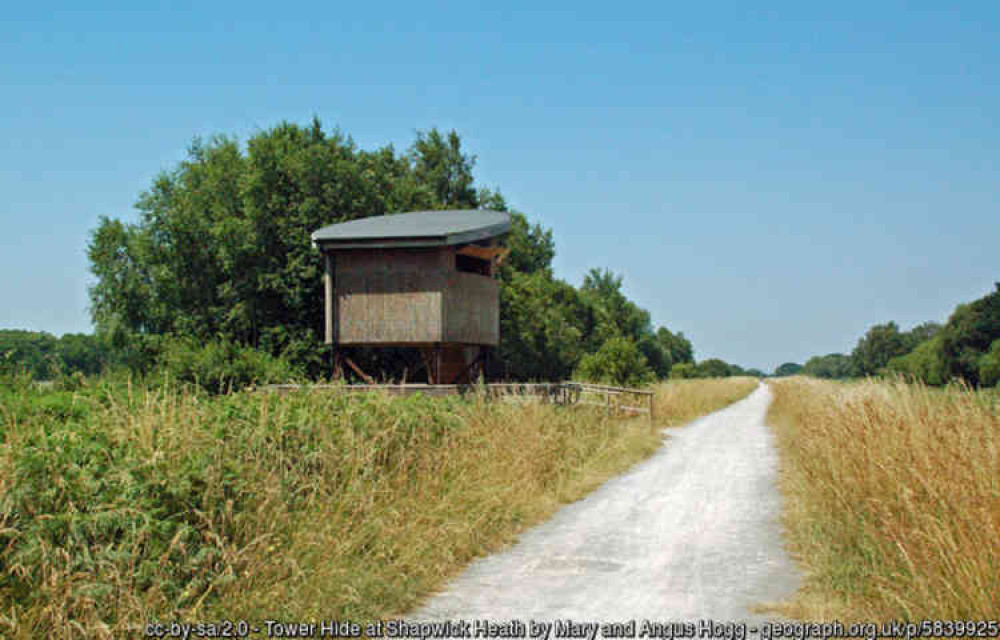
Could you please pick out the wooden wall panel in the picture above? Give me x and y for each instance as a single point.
(388, 296)
(472, 309)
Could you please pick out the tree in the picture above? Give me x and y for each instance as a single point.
(677, 347)
(969, 334)
(531, 247)
(833, 366)
(788, 369)
(222, 248)
(81, 353)
(542, 321)
(924, 363)
(618, 362)
(989, 366)
(921, 333)
(880, 344)
(28, 351)
(440, 166)
(684, 370)
(714, 368)
(222, 253)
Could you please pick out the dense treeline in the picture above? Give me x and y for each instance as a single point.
(44, 356)
(965, 348)
(218, 280)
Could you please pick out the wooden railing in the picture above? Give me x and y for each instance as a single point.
(618, 400)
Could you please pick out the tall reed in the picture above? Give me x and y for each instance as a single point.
(681, 401)
(892, 498)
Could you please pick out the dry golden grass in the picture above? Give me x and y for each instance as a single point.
(125, 505)
(681, 401)
(892, 498)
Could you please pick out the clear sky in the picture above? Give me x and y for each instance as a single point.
(769, 178)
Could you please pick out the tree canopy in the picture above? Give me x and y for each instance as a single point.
(221, 252)
(964, 348)
(788, 369)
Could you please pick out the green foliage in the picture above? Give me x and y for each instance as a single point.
(969, 335)
(965, 348)
(223, 242)
(124, 503)
(684, 370)
(45, 357)
(921, 333)
(531, 246)
(440, 167)
(543, 322)
(615, 314)
(618, 362)
(222, 251)
(880, 344)
(835, 366)
(677, 347)
(924, 363)
(711, 368)
(220, 366)
(81, 353)
(30, 351)
(989, 366)
(788, 369)
(714, 368)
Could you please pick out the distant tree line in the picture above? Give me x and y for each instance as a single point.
(45, 356)
(966, 348)
(219, 270)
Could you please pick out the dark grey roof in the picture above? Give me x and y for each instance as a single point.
(416, 229)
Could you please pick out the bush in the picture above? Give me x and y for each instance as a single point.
(683, 370)
(989, 366)
(925, 363)
(221, 366)
(618, 362)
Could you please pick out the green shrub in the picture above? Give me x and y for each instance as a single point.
(684, 370)
(221, 366)
(989, 366)
(618, 362)
(924, 363)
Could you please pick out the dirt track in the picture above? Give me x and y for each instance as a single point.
(690, 534)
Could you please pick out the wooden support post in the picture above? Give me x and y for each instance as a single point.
(364, 376)
(437, 363)
(338, 370)
(329, 305)
(427, 355)
(469, 368)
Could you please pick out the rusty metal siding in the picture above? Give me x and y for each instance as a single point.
(472, 309)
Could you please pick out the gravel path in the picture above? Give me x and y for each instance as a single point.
(691, 533)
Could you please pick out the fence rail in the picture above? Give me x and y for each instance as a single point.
(615, 399)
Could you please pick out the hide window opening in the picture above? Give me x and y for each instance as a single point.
(471, 264)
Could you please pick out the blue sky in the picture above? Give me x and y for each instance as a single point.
(769, 180)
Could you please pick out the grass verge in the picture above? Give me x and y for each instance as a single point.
(121, 504)
(681, 401)
(892, 499)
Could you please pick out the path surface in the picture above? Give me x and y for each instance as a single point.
(692, 533)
